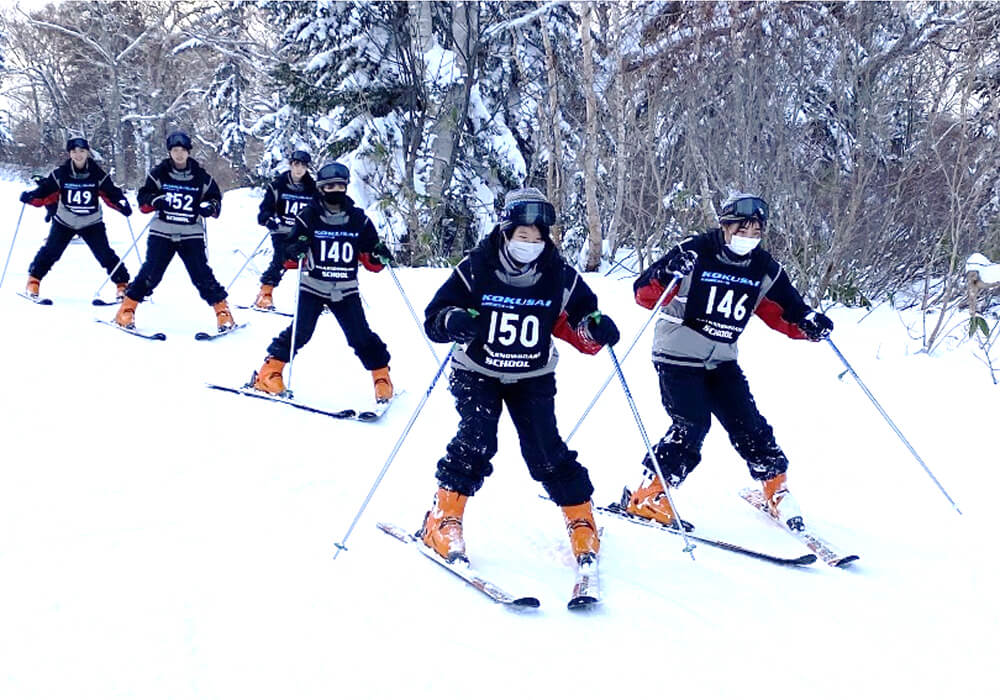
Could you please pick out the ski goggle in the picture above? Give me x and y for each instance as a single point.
(77, 143)
(746, 208)
(179, 138)
(531, 214)
(300, 157)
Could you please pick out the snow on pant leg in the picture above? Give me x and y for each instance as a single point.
(272, 275)
(749, 433)
(366, 344)
(195, 258)
(531, 403)
(159, 252)
(310, 307)
(466, 463)
(684, 395)
(56, 242)
(96, 238)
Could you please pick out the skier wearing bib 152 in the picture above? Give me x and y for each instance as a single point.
(724, 278)
(502, 304)
(182, 194)
(333, 236)
(287, 195)
(75, 189)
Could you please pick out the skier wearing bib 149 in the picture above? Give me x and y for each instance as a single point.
(183, 195)
(287, 195)
(724, 278)
(75, 188)
(333, 236)
(502, 304)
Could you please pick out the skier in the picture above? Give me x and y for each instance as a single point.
(502, 304)
(286, 196)
(726, 277)
(333, 236)
(182, 194)
(72, 190)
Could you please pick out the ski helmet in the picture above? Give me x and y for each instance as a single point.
(179, 138)
(741, 206)
(527, 207)
(333, 174)
(300, 157)
(77, 142)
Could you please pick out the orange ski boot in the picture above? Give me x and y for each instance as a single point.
(650, 501)
(125, 317)
(383, 385)
(223, 317)
(268, 379)
(31, 289)
(120, 293)
(442, 528)
(582, 529)
(781, 503)
(264, 300)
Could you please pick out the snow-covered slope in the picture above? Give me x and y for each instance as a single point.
(161, 540)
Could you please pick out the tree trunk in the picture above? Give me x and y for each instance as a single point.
(590, 145)
(553, 174)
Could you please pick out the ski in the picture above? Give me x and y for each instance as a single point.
(201, 335)
(247, 390)
(587, 588)
(373, 414)
(133, 331)
(259, 310)
(100, 302)
(618, 511)
(823, 549)
(462, 569)
(41, 301)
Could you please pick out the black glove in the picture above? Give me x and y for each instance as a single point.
(602, 329)
(26, 197)
(159, 203)
(273, 223)
(124, 207)
(382, 253)
(678, 261)
(461, 326)
(207, 208)
(816, 326)
(296, 249)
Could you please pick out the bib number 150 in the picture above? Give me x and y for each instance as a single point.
(507, 328)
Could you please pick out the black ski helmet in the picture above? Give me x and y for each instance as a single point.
(333, 174)
(300, 157)
(77, 142)
(741, 206)
(178, 138)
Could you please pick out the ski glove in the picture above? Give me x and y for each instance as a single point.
(602, 329)
(296, 249)
(290, 264)
(159, 203)
(461, 326)
(26, 197)
(816, 326)
(382, 253)
(207, 208)
(679, 262)
(273, 223)
(124, 207)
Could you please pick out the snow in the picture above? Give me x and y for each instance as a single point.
(989, 272)
(161, 540)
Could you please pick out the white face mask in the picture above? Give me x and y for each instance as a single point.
(741, 245)
(524, 252)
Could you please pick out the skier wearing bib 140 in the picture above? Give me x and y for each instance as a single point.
(333, 236)
(724, 278)
(502, 304)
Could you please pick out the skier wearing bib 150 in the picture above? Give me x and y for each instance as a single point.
(182, 194)
(724, 278)
(502, 304)
(288, 194)
(75, 189)
(333, 236)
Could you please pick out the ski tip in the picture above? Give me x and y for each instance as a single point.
(582, 602)
(101, 302)
(804, 560)
(845, 562)
(526, 602)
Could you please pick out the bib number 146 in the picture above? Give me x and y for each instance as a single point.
(726, 307)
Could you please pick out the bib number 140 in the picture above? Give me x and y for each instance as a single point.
(726, 307)
(507, 328)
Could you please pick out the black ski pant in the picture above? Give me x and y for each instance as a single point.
(159, 252)
(479, 400)
(272, 275)
(349, 314)
(96, 238)
(692, 395)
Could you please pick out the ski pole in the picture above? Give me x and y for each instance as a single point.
(892, 425)
(11, 252)
(656, 308)
(413, 313)
(688, 545)
(249, 258)
(295, 326)
(342, 545)
(135, 242)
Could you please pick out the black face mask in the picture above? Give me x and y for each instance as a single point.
(337, 199)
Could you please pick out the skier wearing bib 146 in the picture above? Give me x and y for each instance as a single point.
(75, 188)
(502, 304)
(182, 194)
(725, 277)
(288, 194)
(333, 236)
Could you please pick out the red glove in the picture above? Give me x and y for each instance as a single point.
(291, 264)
